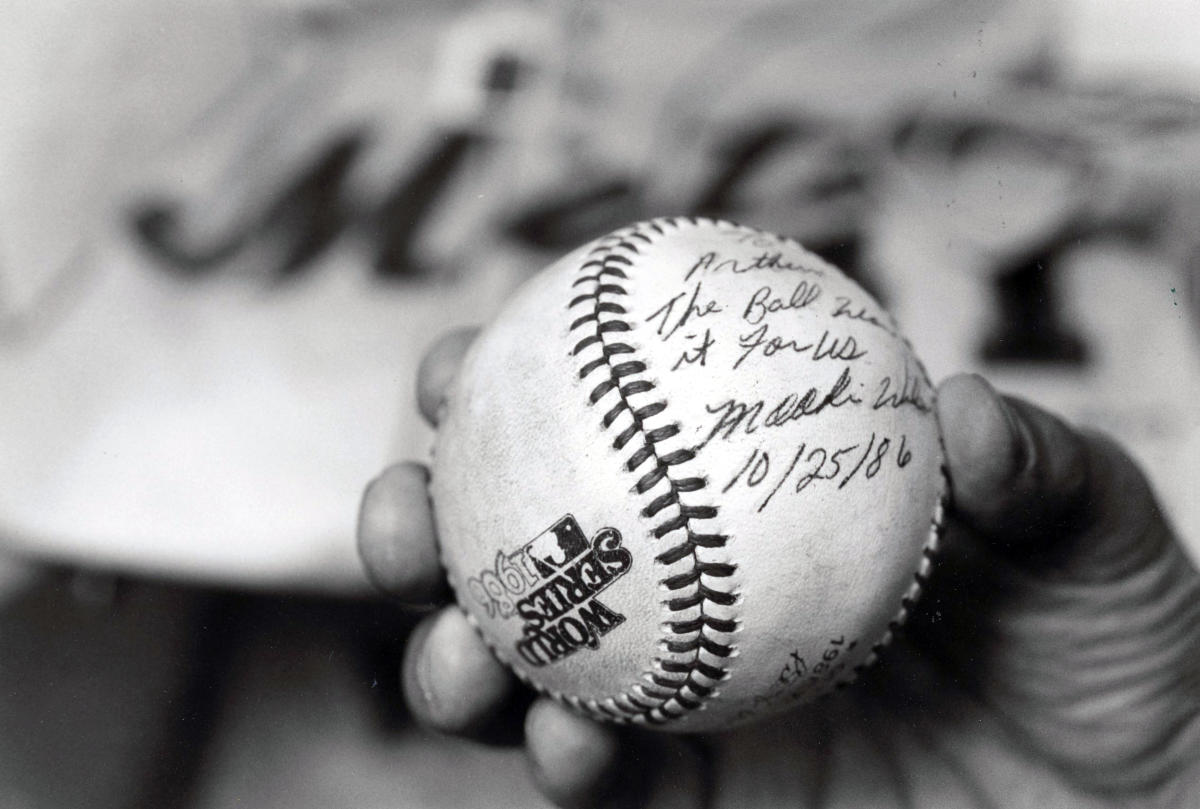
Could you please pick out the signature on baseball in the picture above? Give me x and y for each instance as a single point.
(768, 330)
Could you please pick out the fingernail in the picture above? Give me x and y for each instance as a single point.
(1009, 461)
(1019, 434)
(423, 669)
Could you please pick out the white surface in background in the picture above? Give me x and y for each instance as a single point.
(1127, 39)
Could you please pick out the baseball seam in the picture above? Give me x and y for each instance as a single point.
(673, 686)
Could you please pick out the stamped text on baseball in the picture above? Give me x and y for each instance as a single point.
(552, 583)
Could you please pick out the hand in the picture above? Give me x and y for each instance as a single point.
(1054, 659)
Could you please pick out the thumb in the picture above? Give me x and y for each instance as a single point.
(1041, 493)
(1077, 611)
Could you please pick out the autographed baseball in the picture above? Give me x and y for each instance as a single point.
(689, 477)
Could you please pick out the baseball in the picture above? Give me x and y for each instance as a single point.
(691, 476)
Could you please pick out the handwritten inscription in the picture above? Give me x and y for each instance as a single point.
(906, 390)
(697, 354)
(738, 417)
(799, 400)
(761, 342)
(754, 238)
(770, 261)
(847, 308)
(765, 301)
(788, 330)
(811, 464)
(672, 316)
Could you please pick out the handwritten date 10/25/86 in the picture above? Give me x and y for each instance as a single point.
(812, 465)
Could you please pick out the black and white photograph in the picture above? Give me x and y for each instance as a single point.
(664, 404)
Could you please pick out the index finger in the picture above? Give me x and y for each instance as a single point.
(1020, 474)
(397, 540)
(1041, 490)
(438, 368)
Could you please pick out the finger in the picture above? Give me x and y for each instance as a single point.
(573, 759)
(396, 538)
(454, 684)
(438, 367)
(1083, 631)
(1018, 473)
(581, 764)
(1042, 493)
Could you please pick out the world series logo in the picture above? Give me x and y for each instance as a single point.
(551, 583)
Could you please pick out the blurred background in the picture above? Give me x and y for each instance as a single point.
(228, 232)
